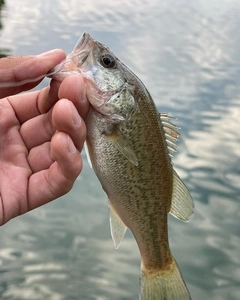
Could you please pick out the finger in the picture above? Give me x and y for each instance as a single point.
(7, 119)
(47, 185)
(26, 105)
(66, 118)
(48, 97)
(39, 158)
(73, 88)
(20, 73)
(38, 130)
(63, 117)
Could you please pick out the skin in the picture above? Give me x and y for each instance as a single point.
(41, 134)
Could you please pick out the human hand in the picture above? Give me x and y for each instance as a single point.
(40, 140)
(21, 73)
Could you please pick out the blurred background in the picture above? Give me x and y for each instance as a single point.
(187, 53)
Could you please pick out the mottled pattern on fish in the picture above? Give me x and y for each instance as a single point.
(128, 145)
(140, 194)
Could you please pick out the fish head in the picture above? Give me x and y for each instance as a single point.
(107, 80)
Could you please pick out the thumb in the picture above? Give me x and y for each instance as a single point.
(20, 73)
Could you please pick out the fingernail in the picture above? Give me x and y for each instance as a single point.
(71, 147)
(75, 116)
(47, 53)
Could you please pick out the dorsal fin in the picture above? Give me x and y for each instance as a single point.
(171, 133)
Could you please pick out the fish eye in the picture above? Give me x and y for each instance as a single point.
(107, 61)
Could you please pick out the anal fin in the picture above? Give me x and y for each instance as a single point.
(117, 227)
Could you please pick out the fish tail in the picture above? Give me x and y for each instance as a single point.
(166, 284)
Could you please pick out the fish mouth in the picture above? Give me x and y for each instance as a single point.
(73, 62)
(82, 43)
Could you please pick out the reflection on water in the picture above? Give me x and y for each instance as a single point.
(187, 54)
(64, 264)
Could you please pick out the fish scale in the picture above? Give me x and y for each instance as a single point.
(129, 145)
(138, 189)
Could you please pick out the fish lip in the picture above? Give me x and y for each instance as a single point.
(72, 63)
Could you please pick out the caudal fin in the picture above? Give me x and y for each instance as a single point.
(163, 285)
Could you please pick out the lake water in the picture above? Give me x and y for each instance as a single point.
(187, 53)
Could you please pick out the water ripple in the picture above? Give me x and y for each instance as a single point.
(187, 54)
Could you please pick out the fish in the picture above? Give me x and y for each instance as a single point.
(130, 146)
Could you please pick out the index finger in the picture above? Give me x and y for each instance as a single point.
(28, 105)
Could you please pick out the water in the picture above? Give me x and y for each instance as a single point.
(187, 54)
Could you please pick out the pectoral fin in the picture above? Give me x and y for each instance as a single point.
(182, 206)
(117, 227)
(117, 138)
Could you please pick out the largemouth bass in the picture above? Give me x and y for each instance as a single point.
(129, 145)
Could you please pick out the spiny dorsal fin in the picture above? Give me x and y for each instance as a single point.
(171, 133)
